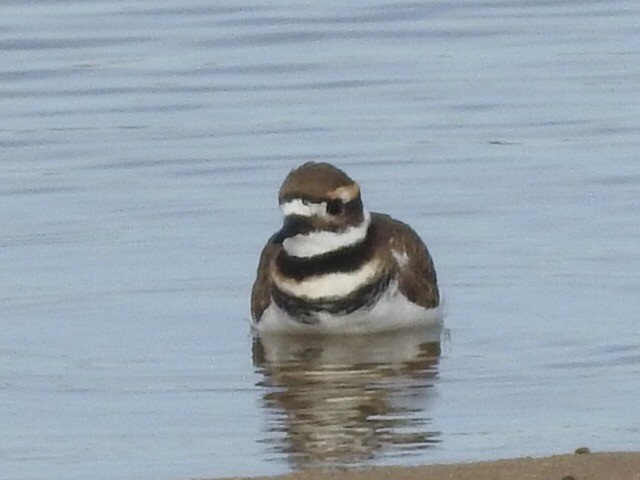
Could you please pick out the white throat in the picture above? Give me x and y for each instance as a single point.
(320, 242)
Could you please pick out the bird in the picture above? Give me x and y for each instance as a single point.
(336, 268)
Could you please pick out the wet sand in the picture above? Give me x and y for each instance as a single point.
(592, 466)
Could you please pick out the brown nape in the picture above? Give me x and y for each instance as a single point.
(313, 181)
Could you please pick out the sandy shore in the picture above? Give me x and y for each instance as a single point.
(592, 466)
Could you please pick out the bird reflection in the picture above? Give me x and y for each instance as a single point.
(340, 401)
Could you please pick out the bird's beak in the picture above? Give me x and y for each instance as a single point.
(293, 225)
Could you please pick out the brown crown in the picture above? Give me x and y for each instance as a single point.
(317, 182)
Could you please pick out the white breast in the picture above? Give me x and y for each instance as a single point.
(330, 285)
(392, 311)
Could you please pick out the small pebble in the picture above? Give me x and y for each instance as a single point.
(583, 450)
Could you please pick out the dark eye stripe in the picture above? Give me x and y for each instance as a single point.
(335, 207)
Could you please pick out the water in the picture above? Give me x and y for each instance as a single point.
(141, 146)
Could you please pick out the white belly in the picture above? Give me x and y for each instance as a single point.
(392, 311)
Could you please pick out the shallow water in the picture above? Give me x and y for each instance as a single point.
(142, 144)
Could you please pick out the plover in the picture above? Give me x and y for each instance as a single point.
(335, 268)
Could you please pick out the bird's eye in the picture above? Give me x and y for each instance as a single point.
(334, 207)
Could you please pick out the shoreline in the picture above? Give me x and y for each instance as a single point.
(587, 466)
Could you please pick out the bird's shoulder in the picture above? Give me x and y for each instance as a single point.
(261, 290)
(409, 257)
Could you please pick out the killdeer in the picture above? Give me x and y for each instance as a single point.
(336, 268)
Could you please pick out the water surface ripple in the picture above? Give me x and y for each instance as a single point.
(142, 145)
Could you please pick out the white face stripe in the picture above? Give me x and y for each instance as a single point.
(320, 242)
(298, 207)
(329, 285)
(346, 193)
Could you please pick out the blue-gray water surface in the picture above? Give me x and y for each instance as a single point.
(141, 148)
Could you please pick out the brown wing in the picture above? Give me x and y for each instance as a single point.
(417, 278)
(261, 291)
